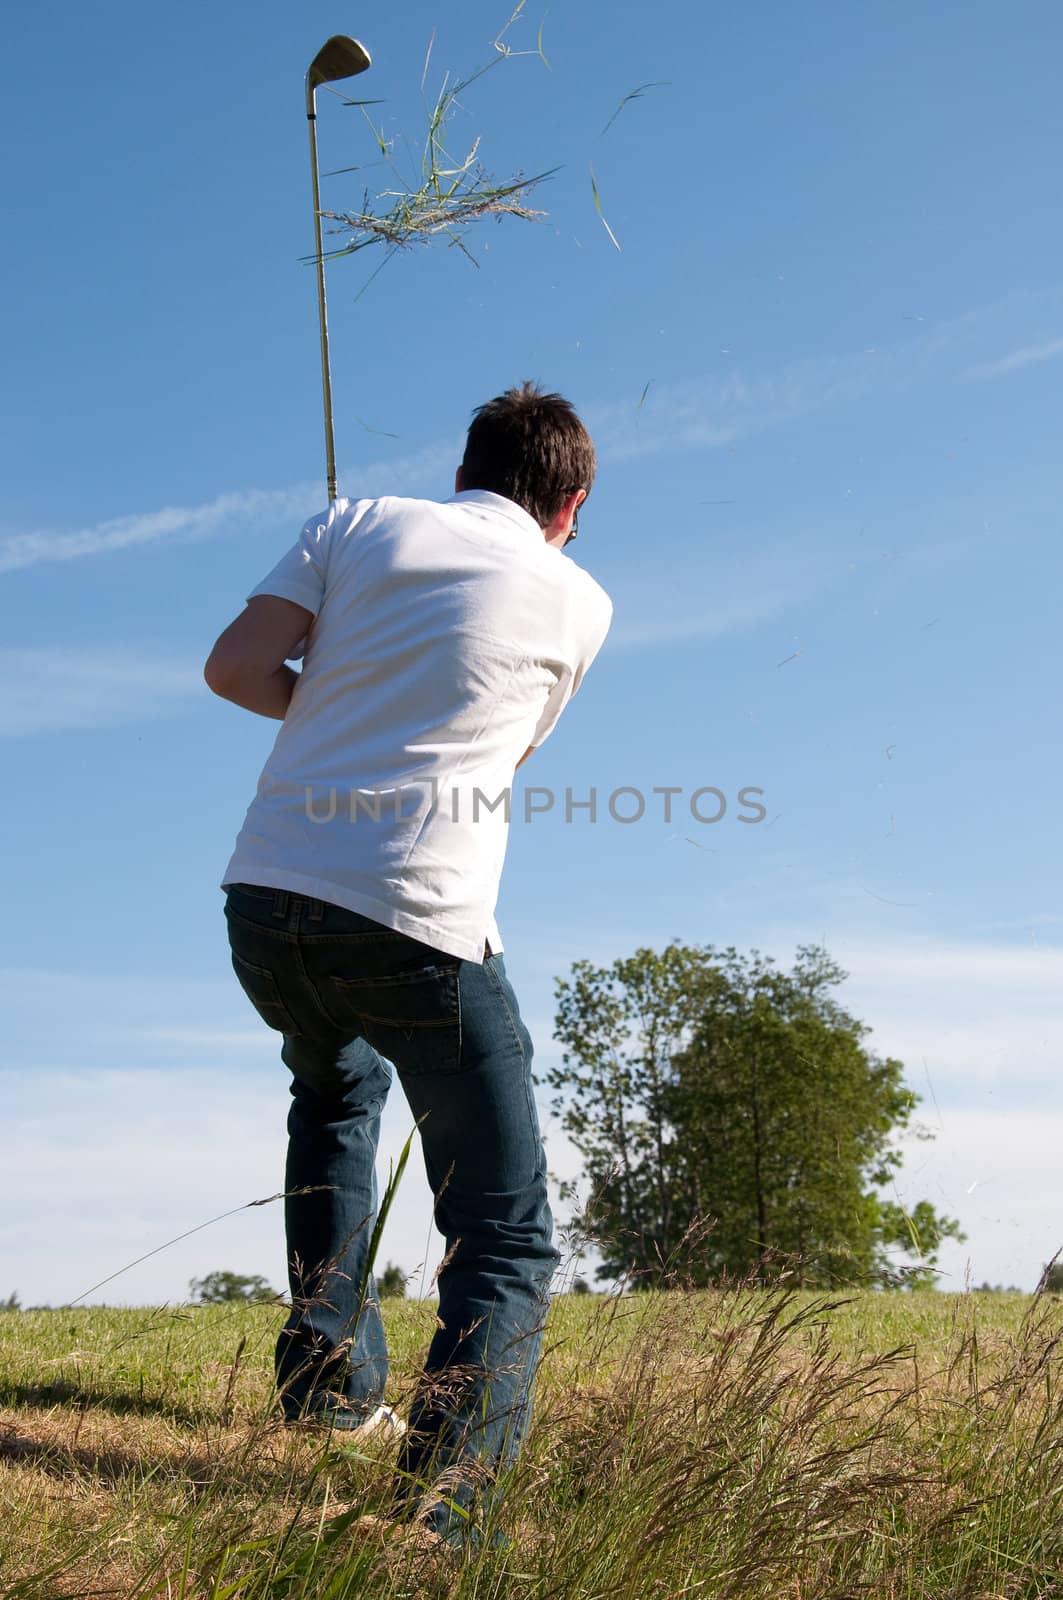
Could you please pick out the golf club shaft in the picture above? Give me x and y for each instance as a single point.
(326, 378)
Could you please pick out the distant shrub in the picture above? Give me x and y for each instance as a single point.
(391, 1283)
(222, 1288)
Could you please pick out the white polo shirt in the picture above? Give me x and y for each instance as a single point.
(447, 638)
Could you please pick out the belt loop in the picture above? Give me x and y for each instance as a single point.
(314, 910)
(280, 903)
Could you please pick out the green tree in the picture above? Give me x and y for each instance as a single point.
(703, 1084)
(223, 1288)
(1052, 1278)
(621, 1026)
(12, 1303)
(391, 1283)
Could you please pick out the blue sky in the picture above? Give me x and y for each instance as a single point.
(822, 371)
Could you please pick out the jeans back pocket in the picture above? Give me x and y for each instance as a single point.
(414, 1019)
(260, 987)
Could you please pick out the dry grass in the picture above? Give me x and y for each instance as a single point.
(732, 1444)
(448, 192)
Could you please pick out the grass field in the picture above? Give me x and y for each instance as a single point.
(741, 1444)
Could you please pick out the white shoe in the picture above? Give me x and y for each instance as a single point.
(384, 1420)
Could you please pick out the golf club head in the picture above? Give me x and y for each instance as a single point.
(339, 57)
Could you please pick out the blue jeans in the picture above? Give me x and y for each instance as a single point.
(350, 995)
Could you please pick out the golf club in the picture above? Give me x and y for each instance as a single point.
(339, 57)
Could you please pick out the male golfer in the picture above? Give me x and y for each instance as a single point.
(441, 642)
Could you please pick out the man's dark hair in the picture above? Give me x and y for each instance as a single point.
(530, 447)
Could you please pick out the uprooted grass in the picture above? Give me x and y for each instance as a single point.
(742, 1443)
(447, 194)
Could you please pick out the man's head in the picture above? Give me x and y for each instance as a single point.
(532, 448)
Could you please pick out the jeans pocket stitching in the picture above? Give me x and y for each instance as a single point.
(412, 1024)
(275, 929)
(411, 1027)
(273, 996)
(395, 980)
(425, 1028)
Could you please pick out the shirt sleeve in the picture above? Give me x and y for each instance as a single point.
(556, 701)
(300, 574)
(569, 682)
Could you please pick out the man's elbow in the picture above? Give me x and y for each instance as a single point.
(220, 676)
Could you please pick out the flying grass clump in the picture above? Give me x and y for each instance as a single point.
(450, 194)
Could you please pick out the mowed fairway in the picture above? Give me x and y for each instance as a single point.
(741, 1443)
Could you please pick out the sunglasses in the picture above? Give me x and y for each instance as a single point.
(574, 529)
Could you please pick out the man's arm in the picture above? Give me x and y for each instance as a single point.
(247, 664)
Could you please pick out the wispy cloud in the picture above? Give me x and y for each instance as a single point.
(1036, 919)
(225, 513)
(666, 602)
(975, 1023)
(707, 412)
(171, 522)
(718, 409)
(1028, 356)
(158, 1153)
(115, 1016)
(62, 689)
(999, 1174)
(981, 1018)
(215, 1040)
(714, 411)
(1008, 968)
